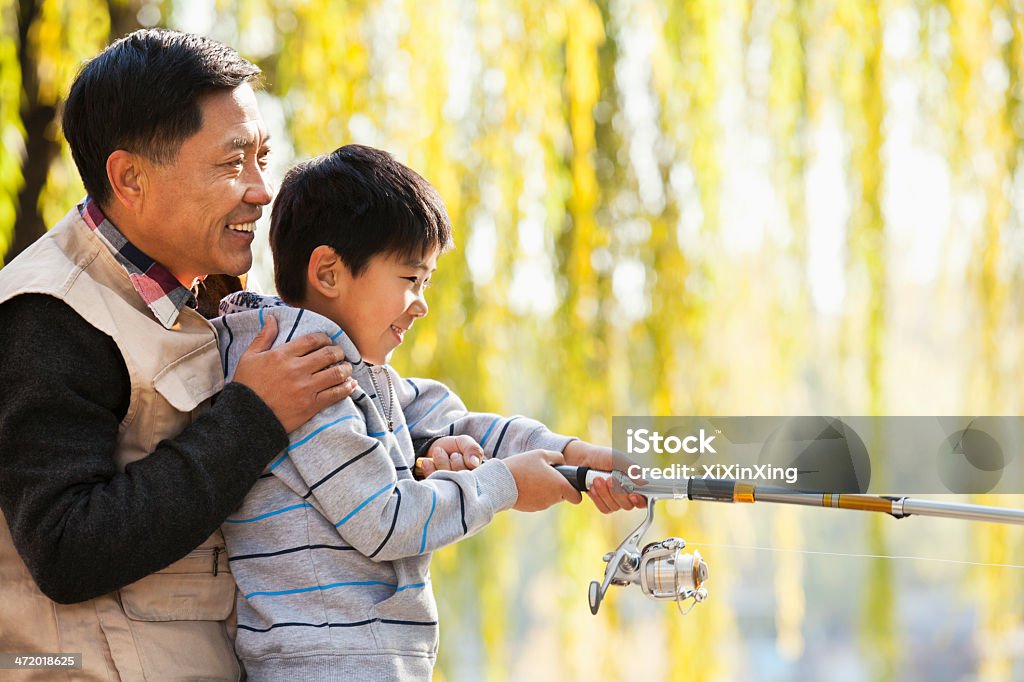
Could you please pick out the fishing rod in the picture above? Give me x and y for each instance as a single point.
(665, 573)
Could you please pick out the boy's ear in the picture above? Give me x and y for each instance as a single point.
(127, 178)
(325, 272)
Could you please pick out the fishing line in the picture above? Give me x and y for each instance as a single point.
(854, 555)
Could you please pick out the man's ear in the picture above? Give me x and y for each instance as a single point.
(325, 273)
(127, 178)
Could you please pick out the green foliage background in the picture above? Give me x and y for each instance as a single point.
(662, 207)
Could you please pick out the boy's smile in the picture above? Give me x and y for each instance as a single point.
(377, 307)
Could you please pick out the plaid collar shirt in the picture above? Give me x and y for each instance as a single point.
(160, 290)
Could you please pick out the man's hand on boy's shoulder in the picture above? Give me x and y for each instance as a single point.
(602, 492)
(297, 379)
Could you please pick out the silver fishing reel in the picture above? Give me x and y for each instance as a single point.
(667, 574)
(661, 569)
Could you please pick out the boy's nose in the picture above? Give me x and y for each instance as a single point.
(419, 307)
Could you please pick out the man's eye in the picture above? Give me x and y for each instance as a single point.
(234, 163)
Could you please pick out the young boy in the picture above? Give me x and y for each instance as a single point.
(331, 548)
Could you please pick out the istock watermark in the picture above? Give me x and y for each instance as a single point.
(642, 441)
(881, 455)
(678, 472)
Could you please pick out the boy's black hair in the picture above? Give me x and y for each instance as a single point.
(359, 201)
(142, 94)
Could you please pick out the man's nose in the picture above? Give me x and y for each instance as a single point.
(259, 192)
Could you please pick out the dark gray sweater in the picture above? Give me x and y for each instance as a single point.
(82, 527)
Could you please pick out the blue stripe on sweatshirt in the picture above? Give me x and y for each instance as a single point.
(431, 409)
(488, 432)
(306, 439)
(410, 587)
(269, 514)
(365, 502)
(321, 588)
(378, 434)
(339, 469)
(433, 505)
(501, 436)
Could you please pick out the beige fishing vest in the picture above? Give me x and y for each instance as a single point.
(172, 624)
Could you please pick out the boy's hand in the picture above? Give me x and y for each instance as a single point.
(298, 379)
(604, 496)
(540, 486)
(451, 453)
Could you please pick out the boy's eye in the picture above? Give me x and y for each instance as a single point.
(416, 281)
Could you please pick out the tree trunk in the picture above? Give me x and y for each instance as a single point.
(41, 146)
(42, 139)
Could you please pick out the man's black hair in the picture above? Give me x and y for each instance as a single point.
(142, 94)
(359, 201)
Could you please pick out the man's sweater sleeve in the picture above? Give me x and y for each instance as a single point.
(83, 527)
(350, 478)
(432, 409)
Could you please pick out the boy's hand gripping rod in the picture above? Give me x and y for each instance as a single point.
(664, 572)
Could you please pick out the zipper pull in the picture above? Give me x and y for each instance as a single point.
(216, 556)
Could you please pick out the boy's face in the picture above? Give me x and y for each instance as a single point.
(379, 306)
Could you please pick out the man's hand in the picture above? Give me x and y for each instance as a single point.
(605, 497)
(298, 379)
(451, 453)
(540, 486)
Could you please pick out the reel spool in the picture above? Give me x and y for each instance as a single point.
(667, 574)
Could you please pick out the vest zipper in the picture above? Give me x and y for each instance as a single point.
(216, 555)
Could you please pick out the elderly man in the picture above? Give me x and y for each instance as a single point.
(121, 448)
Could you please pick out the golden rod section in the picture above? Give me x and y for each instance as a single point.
(743, 492)
(865, 503)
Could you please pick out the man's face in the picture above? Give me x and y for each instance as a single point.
(379, 306)
(199, 210)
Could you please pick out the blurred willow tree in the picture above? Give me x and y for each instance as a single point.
(661, 206)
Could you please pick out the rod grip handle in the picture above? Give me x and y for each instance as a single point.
(710, 489)
(579, 477)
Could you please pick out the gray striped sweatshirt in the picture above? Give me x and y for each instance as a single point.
(331, 548)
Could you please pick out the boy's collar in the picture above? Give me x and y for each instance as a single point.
(247, 301)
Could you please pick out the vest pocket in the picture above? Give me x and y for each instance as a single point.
(177, 621)
(180, 596)
(192, 378)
